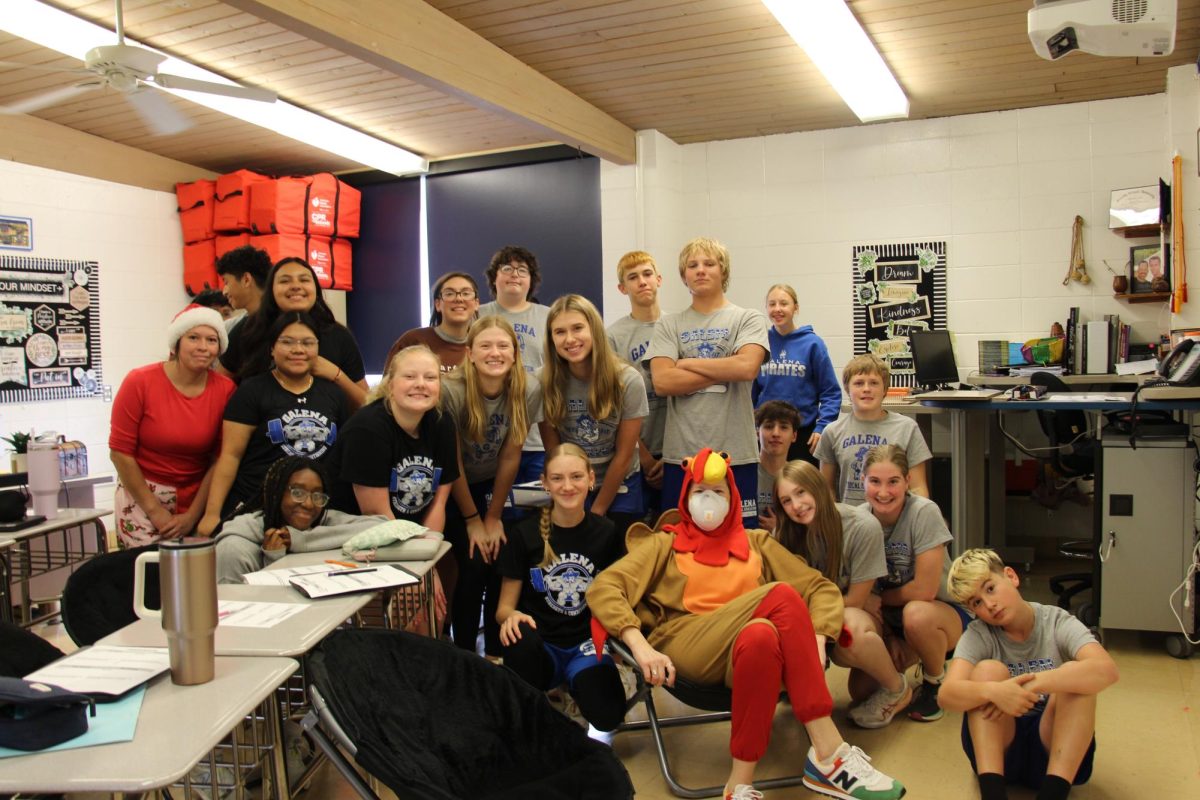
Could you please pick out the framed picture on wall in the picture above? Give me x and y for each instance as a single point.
(16, 233)
(1149, 269)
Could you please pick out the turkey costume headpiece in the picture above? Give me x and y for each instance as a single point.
(729, 538)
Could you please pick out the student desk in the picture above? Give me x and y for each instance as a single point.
(6, 614)
(177, 727)
(52, 545)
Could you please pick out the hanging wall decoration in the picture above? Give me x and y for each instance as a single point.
(897, 288)
(49, 329)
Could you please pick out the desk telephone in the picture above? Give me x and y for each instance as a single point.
(1182, 366)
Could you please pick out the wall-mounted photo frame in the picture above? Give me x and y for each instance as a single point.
(16, 233)
(1139, 205)
(1149, 268)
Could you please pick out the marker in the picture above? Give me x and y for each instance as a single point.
(341, 563)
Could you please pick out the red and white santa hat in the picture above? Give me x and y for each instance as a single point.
(192, 316)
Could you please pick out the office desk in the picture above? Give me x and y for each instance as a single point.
(177, 727)
(51, 545)
(1102, 379)
(978, 493)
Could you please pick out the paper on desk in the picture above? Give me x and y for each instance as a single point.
(282, 577)
(346, 581)
(114, 722)
(253, 614)
(104, 669)
(1079, 397)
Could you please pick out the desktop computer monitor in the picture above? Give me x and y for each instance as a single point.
(933, 357)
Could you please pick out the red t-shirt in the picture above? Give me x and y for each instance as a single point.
(173, 438)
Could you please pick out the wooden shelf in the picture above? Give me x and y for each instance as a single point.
(1144, 297)
(1138, 231)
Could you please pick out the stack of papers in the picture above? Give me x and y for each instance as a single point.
(320, 580)
(104, 669)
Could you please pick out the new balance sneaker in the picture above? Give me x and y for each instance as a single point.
(849, 773)
(881, 706)
(744, 791)
(925, 706)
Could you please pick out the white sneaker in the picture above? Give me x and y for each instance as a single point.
(849, 774)
(881, 706)
(744, 791)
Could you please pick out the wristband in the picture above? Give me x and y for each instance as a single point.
(470, 517)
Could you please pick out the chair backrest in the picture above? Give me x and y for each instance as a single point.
(98, 597)
(23, 652)
(1065, 427)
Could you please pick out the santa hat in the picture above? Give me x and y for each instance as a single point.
(191, 317)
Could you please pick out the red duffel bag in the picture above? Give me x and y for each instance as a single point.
(232, 211)
(200, 267)
(329, 258)
(313, 205)
(196, 201)
(231, 241)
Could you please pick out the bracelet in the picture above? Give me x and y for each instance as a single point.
(470, 517)
(338, 375)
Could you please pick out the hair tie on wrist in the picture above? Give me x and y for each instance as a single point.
(338, 375)
(470, 517)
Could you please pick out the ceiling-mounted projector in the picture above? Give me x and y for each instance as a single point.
(1126, 28)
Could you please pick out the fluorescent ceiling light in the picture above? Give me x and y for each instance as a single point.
(841, 49)
(72, 36)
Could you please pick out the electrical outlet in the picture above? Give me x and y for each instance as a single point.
(107, 392)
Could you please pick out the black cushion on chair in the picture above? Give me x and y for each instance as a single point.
(432, 721)
(98, 597)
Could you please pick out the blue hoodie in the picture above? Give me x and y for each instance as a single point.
(801, 373)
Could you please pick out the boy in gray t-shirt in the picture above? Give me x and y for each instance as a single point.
(1026, 677)
(848, 439)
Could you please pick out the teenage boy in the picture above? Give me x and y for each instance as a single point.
(704, 359)
(846, 442)
(778, 424)
(244, 270)
(638, 279)
(513, 276)
(1026, 677)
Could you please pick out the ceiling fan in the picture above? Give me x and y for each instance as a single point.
(132, 71)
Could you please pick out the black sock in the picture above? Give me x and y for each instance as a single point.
(1054, 788)
(992, 786)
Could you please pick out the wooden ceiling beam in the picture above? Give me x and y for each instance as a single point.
(413, 39)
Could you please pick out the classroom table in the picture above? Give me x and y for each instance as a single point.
(32, 553)
(177, 727)
(6, 607)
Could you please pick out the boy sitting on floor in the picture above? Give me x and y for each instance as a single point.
(1026, 675)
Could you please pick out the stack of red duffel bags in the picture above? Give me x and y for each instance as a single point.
(309, 216)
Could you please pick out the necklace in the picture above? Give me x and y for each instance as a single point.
(291, 387)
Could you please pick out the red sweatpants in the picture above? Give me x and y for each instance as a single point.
(764, 656)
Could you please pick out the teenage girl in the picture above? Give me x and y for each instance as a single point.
(913, 608)
(547, 566)
(455, 302)
(597, 402)
(847, 548)
(493, 404)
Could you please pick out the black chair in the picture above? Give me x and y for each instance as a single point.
(98, 597)
(23, 652)
(1073, 457)
(434, 722)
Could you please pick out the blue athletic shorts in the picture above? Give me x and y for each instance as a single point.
(1026, 759)
(570, 661)
(893, 617)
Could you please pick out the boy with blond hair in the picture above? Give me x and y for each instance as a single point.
(1026, 677)
(847, 440)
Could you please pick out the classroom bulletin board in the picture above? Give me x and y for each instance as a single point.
(49, 329)
(898, 288)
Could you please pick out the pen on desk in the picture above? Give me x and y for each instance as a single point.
(341, 563)
(350, 572)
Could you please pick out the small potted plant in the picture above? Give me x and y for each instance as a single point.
(19, 442)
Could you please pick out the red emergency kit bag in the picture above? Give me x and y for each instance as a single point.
(232, 212)
(200, 267)
(196, 201)
(230, 241)
(313, 205)
(329, 258)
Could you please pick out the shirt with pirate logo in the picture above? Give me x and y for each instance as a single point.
(847, 441)
(374, 451)
(480, 458)
(285, 424)
(555, 596)
(598, 438)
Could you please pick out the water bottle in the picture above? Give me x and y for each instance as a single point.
(188, 578)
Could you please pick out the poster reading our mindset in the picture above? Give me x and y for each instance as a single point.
(49, 329)
(898, 288)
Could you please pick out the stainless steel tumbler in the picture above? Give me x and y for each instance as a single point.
(188, 577)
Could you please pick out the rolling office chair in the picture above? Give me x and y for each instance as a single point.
(1074, 457)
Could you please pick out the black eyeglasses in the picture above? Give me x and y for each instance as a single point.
(464, 294)
(509, 269)
(300, 494)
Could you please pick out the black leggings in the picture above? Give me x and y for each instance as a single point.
(597, 690)
(478, 584)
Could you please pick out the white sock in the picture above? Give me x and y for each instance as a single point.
(936, 680)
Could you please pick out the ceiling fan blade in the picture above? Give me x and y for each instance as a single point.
(163, 118)
(43, 68)
(47, 99)
(192, 85)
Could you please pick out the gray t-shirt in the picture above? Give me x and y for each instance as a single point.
(480, 458)
(598, 438)
(862, 549)
(766, 489)
(722, 415)
(919, 528)
(847, 440)
(630, 339)
(530, 327)
(1056, 639)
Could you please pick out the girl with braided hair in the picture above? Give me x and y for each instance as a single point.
(288, 516)
(546, 568)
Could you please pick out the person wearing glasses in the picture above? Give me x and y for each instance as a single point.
(513, 276)
(287, 411)
(289, 516)
(455, 301)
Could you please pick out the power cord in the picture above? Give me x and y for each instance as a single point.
(1187, 588)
